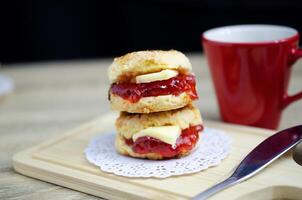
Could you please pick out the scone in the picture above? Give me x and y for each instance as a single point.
(159, 135)
(151, 81)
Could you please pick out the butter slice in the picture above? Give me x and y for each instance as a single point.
(157, 76)
(167, 134)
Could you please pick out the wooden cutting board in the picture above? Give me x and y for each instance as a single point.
(61, 161)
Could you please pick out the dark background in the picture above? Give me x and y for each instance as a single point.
(37, 30)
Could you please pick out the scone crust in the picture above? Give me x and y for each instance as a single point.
(150, 104)
(143, 62)
(124, 149)
(128, 124)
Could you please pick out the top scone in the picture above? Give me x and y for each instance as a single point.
(151, 81)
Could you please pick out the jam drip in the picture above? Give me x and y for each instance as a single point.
(173, 86)
(185, 142)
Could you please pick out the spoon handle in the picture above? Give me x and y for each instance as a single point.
(265, 153)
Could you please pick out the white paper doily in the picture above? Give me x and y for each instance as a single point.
(214, 146)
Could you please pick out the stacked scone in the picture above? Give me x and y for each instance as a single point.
(154, 91)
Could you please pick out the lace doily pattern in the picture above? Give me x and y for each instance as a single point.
(214, 146)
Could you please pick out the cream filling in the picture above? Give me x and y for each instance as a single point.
(157, 76)
(167, 134)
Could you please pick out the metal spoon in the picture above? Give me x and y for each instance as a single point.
(260, 157)
(297, 155)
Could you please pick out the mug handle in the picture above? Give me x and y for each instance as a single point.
(296, 53)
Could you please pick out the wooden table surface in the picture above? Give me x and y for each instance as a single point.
(53, 97)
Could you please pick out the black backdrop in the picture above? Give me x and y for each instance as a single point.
(54, 30)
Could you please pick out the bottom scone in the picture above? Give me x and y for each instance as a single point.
(160, 135)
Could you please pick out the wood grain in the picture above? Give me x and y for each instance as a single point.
(61, 161)
(51, 98)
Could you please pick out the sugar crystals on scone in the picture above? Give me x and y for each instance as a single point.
(159, 135)
(151, 81)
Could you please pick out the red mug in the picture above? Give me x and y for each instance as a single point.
(250, 67)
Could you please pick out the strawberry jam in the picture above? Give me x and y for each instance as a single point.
(173, 86)
(185, 142)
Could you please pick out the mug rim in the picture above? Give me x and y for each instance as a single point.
(293, 37)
